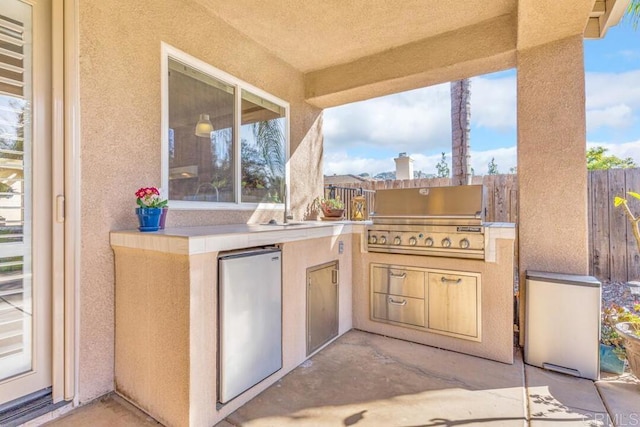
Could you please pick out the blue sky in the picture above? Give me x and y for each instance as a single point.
(366, 136)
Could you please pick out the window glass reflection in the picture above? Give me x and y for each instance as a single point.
(263, 156)
(201, 161)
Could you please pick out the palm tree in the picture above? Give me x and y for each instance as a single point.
(460, 131)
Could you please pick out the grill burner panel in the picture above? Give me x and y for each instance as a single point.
(426, 240)
(441, 221)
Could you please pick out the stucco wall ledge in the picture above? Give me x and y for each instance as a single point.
(198, 240)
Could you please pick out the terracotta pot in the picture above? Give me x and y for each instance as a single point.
(333, 213)
(631, 344)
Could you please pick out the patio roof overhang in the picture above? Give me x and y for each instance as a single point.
(356, 50)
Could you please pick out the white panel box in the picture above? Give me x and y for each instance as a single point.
(563, 323)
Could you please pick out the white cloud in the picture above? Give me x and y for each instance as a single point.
(493, 103)
(616, 116)
(505, 159)
(608, 89)
(613, 99)
(629, 54)
(419, 122)
(340, 163)
(410, 121)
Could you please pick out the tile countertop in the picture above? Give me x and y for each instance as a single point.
(494, 231)
(215, 238)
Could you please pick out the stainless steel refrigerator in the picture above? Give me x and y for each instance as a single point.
(249, 319)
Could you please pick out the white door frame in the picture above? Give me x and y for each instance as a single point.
(57, 184)
(72, 192)
(48, 148)
(66, 199)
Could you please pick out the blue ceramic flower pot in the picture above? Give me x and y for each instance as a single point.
(163, 217)
(609, 361)
(149, 218)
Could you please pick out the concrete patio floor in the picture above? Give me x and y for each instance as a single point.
(369, 380)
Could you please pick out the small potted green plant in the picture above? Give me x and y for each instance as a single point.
(331, 208)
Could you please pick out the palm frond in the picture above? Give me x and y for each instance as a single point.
(633, 12)
(269, 136)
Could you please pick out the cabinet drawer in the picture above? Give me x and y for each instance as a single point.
(397, 281)
(397, 308)
(454, 304)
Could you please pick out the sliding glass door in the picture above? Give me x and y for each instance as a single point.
(25, 198)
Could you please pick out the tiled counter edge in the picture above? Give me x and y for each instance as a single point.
(198, 240)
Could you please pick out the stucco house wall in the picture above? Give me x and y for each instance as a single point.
(120, 114)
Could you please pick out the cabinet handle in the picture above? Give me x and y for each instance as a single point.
(403, 302)
(445, 280)
(334, 276)
(397, 276)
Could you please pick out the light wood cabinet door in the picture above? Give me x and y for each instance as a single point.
(454, 304)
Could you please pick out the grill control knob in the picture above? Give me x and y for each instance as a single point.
(429, 242)
(413, 241)
(383, 240)
(397, 240)
(464, 243)
(373, 240)
(446, 242)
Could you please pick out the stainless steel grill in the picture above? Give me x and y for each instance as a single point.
(437, 221)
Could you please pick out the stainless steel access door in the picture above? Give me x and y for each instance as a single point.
(250, 319)
(322, 305)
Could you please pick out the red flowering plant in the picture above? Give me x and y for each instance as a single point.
(149, 197)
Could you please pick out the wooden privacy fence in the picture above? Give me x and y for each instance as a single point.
(613, 252)
(612, 248)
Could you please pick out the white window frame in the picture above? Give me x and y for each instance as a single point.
(168, 51)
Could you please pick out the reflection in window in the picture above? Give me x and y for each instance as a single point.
(201, 166)
(225, 143)
(263, 157)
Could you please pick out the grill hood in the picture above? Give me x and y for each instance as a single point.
(439, 203)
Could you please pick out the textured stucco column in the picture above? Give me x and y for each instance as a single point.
(552, 174)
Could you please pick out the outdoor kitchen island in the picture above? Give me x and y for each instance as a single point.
(466, 304)
(166, 306)
(166, 310)
(435, 273)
